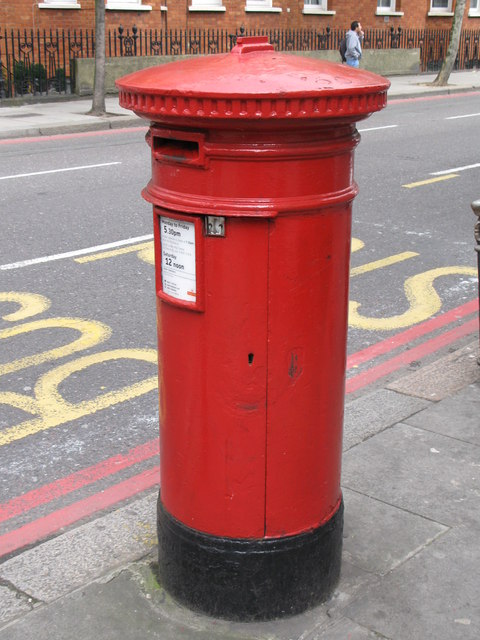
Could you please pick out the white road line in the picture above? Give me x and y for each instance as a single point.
(467, 115)
(467, 166)
(388, 126)
(73, 254)
(41, 173)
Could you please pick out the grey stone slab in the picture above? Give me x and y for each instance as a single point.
(435, 594)
(181, 617)
(443, 377)
(352, 578)
(343, 629)
(121, 608)
(79, 556)
(457, 416)
(422, 472)
(124, 606)
(379, 537)
(108, 611)
(300, 626)
(12, 604)
(370, 414)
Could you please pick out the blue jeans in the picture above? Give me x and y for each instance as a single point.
(353, 63)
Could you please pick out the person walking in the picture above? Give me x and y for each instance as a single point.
(354, 39)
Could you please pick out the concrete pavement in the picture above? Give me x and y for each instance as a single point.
(411, 482)
(40, 118)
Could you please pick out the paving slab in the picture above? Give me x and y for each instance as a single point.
(422, 472)
(434, 595)
(443, 377)
(73, 559)
(62, 116)
(124, 606)
(342, 630)
(457, 416)
(107, 611)
(13, 604)
(369, 414)
(379, 537)
(310, 624)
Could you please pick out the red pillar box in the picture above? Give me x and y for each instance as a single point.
(252, 186)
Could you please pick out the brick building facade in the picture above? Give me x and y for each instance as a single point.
(233, 14)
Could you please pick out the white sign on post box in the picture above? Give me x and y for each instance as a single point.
(179, 278)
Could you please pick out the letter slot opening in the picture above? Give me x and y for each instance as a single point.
(173, 150)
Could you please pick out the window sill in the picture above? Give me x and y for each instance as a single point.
(440, 14)
(263, 10)
(113, 6)
(474, 14)
(163, 7)
(317, 12)
(59, 5)
(389, 13)
(207, 8)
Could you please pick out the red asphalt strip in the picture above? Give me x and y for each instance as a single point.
(69, 136)
(411, 334)
(53, 522)
(424, 349)
(77, 480)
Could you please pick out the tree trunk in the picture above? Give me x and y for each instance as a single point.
(98, 103)
(446, 69)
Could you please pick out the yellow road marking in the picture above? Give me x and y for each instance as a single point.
(20, 401)
(115, 252)
(31, 304)
(357, 244)
(430, 181)
(422, 298)
(53, 410)
(92, 333)
(380, 264)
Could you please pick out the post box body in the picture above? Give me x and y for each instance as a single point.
(252, 375)
(252, 191)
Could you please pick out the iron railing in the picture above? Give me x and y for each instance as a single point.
(42, 62)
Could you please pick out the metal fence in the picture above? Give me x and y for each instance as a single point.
(42, 62)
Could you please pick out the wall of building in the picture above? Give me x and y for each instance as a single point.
(175, 14)
(26, 14)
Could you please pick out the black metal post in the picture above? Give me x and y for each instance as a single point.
(476, 210)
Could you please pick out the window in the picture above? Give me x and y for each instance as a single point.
(261, 5)
(206, 5)
(59, 4)
(127, 5)
(387, 8)
(474, 10)
(317, 6)
(321, 4)
(440, 7)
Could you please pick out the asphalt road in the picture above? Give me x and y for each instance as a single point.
(78, 418)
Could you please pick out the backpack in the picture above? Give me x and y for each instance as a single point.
(342, 48)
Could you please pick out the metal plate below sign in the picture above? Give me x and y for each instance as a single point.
(215, 226)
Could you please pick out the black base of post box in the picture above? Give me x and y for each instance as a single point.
(244, 579)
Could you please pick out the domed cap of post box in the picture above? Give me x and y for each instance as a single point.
(252, 82)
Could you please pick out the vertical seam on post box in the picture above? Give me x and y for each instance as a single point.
(269, 230)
